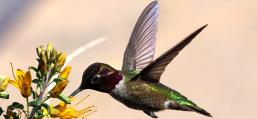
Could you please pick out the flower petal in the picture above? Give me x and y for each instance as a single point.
(4, 83)
(26, 85)
(19, 74)
(27, 79)
(58, 88)
(49, 47)
(65, 72)
(61, 60)
(14, 83)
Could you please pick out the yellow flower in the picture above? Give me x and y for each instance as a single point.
(64, 74)
(22, 82)
(39, 50)
(3, 83)
(42, 59)
(60, 61)
(58, 88)
(63, 111)
(49, 47)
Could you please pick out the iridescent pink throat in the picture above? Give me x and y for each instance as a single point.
(111, 80)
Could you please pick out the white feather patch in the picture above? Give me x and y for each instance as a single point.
(167, 104)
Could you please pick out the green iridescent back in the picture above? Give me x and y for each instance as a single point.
(171, 94)
(130, 74)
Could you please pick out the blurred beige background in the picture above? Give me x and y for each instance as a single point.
(217, 70)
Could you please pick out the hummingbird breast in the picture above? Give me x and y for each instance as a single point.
(138, 95)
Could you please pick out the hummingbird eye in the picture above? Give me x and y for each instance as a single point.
(95, 79)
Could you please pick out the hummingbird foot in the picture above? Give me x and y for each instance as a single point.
(151, 114)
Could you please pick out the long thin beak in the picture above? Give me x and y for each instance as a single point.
(75, 92)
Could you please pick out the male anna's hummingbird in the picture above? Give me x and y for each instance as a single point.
(137, 85)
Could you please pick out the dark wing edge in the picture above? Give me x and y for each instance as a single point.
(152, 72)
(141, 47)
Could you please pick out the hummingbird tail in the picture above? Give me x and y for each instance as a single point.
(75, 92)
(191, 107)
(201, 111)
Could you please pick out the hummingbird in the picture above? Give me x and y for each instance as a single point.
(137, 85)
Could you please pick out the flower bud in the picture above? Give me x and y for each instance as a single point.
(39, 51)
(26, 84)
(60, 61)
(64, 74)
(49, 49)
(58, 88)
(3, 83)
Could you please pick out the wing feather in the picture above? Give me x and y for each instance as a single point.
(141, 47)
(153, 72)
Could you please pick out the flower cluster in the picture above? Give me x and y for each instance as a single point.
(50, 71)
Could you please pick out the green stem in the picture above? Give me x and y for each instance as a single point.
(27, 100)
(40, 98)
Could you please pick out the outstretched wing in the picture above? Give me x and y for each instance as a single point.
(152, 72)
(141, 47)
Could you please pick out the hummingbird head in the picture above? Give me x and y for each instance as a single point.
(100, 77)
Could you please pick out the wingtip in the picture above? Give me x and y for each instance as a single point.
(198, 31)
(152, 6)
(154, 2)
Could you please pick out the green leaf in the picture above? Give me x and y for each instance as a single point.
(64, 98)
(4, 95)
(1, 111)
(35, 103)
(38, 74)
(38, 115)
(34, 94)
(57, 80)
(15, 105)
(37, 81)
(34, 68)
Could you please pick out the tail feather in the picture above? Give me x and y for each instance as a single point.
(201, 111)
(193, 108)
